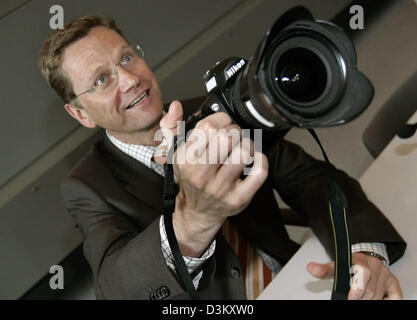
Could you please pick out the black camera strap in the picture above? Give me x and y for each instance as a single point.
(170, 192)
(339, 218)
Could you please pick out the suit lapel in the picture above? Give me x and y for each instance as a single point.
(141, 181)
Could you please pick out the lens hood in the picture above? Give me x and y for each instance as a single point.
(304, 74)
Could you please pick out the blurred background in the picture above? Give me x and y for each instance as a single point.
(40, 143)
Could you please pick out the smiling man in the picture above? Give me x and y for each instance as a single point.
(131, 113)
(115, 192)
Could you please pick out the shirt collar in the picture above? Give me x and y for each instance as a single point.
(141, 153)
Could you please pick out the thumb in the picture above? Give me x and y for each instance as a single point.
(170, 121)
(321, 271)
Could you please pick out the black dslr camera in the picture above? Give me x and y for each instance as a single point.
(303, 74)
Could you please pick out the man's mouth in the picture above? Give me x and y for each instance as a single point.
(142, 97)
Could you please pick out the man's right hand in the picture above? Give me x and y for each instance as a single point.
(210, 191)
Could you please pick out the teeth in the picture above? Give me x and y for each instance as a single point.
(140, 99)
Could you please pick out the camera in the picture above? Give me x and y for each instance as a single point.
(303, 74)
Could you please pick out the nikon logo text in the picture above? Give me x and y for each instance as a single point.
(235, 68)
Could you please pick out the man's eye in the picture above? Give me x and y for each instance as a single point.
(102, 80)
(126, 59)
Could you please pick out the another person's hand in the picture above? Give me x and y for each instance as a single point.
(371, 280)
(208, 168)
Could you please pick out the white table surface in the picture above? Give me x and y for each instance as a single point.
(391, 184)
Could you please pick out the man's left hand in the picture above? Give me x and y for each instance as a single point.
(371, 280)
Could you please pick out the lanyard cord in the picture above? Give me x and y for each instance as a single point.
(339, 218)
(170, 192)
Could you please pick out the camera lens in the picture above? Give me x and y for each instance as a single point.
(301, 75)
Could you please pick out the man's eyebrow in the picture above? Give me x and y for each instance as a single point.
(126, 46)
(102, 68)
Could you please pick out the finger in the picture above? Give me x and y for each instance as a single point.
(360, 282)
(380, 290)
(231, 169)
(242, 153)
(370, 290)
(212, 149)
(394, 291)
(247, 188)
(376, 278)
(223, 143)
(195, 146)
(170, 121)
(321, 271)
(217, 121)
(207, 133)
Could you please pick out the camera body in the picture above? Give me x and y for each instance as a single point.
(303, 74)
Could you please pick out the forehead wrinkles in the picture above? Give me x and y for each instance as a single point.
(82, 58)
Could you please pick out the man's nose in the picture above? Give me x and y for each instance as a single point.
(127, 79)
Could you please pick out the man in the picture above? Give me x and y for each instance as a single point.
(115, 192)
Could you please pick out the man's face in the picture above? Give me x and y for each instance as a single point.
(83, 62)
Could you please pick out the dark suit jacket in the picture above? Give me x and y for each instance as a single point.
(116, 203)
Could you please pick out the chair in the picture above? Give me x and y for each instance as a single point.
(392, 115)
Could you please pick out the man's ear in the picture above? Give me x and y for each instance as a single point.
(81, 115)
